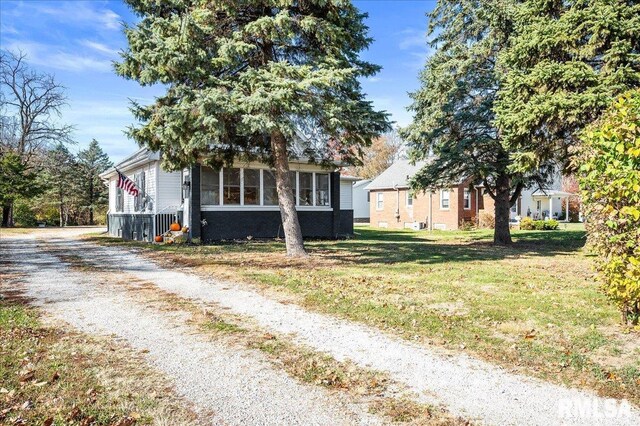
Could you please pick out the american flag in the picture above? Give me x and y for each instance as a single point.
(127, 184)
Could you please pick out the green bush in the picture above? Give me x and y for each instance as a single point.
(23, 215)
(609, 167)
(526, 224)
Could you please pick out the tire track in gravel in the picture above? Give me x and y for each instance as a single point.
(467, 387)
(239, 386)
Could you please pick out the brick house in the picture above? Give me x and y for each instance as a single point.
(393, 205)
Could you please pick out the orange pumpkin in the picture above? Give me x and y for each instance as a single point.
(175, 226)
(159, 238)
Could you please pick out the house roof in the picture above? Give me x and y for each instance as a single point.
(397, 175)
(551, 193)
(360, 183)
(140, 157)
(349, 178)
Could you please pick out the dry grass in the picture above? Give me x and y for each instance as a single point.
(52, 376)
(534, 308)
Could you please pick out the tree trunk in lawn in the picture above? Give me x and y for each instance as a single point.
(286, 200)
(502, 234)
(7, 215)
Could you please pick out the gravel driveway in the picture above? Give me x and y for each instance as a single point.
(465, 386)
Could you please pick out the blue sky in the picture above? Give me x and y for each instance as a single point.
(78, 40)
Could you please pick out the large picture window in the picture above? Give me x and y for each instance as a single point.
(255, 187)
(210, 186)
(306, 189)
(251, 187)
(231, 187)
(270, 190)
(322, 189)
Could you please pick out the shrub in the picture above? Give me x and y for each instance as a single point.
(487, 220)
(609, 167)
(467, 225)
(23, 215)
(526, 224)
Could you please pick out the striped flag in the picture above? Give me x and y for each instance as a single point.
(127, 184)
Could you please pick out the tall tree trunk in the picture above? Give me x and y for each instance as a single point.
(7, 215)
(502, 233)
(91, 201)
(286, 200)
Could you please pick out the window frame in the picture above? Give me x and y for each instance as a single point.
(379, 200)
(119, 199)
(408, 201)
(466, 196)
(295, 178)
(442, 192)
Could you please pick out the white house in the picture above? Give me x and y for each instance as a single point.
(232, 203)
(361, 201)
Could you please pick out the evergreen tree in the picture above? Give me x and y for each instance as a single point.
(566, 62)
(453, 125)
(63, 178)
(16, 181)
(91, 162)
(253, 79)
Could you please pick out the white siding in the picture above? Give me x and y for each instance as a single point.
(361, 203)
(346, 195)
(150, 188)
(169, 190)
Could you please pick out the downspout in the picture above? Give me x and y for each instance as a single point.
(430, 210)
(397, 215)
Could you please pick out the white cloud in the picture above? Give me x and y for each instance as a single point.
(412, 38)
(80, 12)
(374, 79)
(99, 47)
(56, 57)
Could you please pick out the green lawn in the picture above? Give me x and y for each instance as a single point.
(534, 307)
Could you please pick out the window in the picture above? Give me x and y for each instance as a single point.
(139, 203)
(231, 186)
(538, 205)
(467, 199)
(444, 198)
(409, 200)
(270, 191)
(251, 187)
(210, 186)
(294, 185)
(119, 200)
(322, 189)
(379, 200)
(306, 188)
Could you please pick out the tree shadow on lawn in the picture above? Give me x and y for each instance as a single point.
(390, 247)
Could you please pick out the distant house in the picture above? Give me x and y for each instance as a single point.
(361, 201)
(231, 203)
(394, 205)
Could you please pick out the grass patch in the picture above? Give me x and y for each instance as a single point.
(533, 307)
(50, 376)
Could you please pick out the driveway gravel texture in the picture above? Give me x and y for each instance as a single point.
(242, 388)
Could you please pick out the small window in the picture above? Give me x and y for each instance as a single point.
(251, 187)
(306, 189)
(409, 200)
(368, 197)
(379, 200)
(467, 199)
(444, 199)
(270, 190)
(119, 200)
(538, 205)
(322, 189)
(210, 186)
(231, 186)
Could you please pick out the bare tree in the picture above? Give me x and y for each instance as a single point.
(383, 152)
(30, 103)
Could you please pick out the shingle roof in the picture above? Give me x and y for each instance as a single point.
(397, 175)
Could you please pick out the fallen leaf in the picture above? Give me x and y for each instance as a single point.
(40, 384)
(48, 422)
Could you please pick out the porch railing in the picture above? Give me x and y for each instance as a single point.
(164, 218)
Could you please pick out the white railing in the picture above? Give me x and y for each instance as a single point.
(164, 218)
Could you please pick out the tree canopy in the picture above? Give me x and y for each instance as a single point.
(565, 63)
(253, 79)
